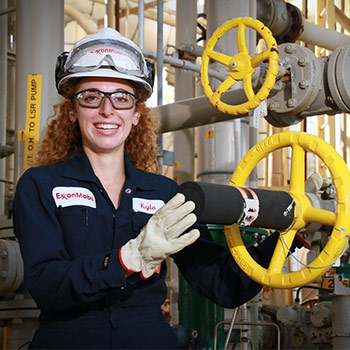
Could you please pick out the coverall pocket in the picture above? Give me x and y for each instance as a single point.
(81, 228)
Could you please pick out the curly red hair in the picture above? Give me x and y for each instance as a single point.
(63, 139)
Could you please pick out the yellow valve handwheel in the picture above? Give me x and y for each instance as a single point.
(304, 213)
(241, 66)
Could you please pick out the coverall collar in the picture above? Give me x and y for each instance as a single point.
(80, 168)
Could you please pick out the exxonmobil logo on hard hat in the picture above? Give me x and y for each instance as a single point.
(68, 196)
(104, 51)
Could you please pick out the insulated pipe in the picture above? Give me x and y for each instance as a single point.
(245, 206)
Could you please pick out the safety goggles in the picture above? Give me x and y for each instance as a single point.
(101, 53)
(93, 98)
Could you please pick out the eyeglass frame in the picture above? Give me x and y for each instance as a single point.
(105, 94)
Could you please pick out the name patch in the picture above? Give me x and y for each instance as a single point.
(68, 196)
(149, 206)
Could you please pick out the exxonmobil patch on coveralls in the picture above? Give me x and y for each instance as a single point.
(68, 196)
(149, 206)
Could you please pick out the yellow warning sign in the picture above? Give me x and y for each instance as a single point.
(31, 133)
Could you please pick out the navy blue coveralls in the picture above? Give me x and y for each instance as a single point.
(72, 269)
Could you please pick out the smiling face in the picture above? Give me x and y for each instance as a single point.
(104, 129)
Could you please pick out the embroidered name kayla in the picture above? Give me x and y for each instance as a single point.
(149, 206)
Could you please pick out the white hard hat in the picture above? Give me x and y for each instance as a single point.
(105, 53)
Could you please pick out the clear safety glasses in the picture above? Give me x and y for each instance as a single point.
(93, 98)
(96, 54)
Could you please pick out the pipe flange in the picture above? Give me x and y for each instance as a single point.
(11, 267)
(300, 85)
(333, 79)
(343, 75)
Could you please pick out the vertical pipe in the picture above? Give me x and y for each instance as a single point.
(243, 313)
(117, 15)
(40, 31)
(253, 132)
(141, 24)
(183, 140)
(160, 55)
(253, 177)
(160, 59)
(110, 14)
(254, 317)
(3, 100)
(186, 16)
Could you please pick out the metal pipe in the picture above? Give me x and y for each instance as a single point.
(262, 324)
(323, 37)
(196, 111)
(7, 181)
(110, 14)
(231, 328)
(184, 64)
(253, 131)
(159, 72)
(3, 99)
(8, 10)
(244, 334)
(36, 31)
(77, 16)
(117, 15)
(6, 150)
(160, 55)
(343, 20)
(141, 24)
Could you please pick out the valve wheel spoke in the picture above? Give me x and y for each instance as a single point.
(224, 86)
(259, 57)
(220, 57)
(241, 42)
(281, 251)
(248, 87)
(297, 167)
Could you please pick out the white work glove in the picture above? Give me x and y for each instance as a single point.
(161, 237)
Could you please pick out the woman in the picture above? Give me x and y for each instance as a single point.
(95, 269)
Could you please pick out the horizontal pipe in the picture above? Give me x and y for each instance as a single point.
(197, 111)
(7, 181)
(6, 151)
(7, 11)
(259, 324)
(184, 64)
(323, 37)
